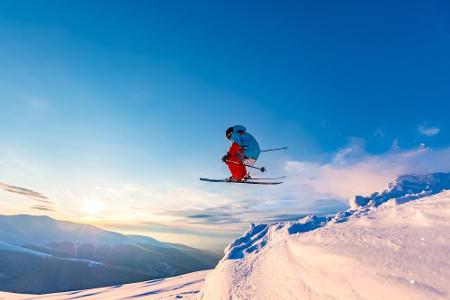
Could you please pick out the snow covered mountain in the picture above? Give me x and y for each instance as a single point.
(385, 247)
(41, 230)
(52, 256)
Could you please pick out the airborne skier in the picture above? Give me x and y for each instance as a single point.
(244, 151)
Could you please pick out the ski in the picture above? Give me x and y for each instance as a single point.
(246, 182)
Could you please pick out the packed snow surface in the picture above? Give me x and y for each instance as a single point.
(180, 287)
(390, 247)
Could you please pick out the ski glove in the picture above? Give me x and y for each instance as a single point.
(225, 157)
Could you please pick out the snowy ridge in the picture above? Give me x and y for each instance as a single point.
(406, 188)
(386, 247)
(257, 236)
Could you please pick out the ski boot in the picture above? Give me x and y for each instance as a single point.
(246, 177)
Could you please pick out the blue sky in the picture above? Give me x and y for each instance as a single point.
(133, 97)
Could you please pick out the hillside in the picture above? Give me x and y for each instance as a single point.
(387, 247)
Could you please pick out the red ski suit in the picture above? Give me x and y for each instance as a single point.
(234, 162)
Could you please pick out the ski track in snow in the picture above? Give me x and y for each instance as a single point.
(181, 287)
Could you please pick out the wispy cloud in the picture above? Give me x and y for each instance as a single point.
(43, 202)
(175, 228)
(213, 216)
(42, 207)
(379, 133)
(25, 192)
(283, 218)
(428, 130)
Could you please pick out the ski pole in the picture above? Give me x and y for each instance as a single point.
(274, 149)
(262, 169)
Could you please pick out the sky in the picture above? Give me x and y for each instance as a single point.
(111, 110)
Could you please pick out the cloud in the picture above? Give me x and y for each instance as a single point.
(25, 192)
(428, 131)
(199, 216)
(215, 218)
(42, 207)
(379, 133)
(221, 214)
(352, 171)
(44, 203)
(353, 151)
(395, 146)
(283, 218)
(188, 207)
(176, 228)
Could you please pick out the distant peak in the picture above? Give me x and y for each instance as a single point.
(26, 216)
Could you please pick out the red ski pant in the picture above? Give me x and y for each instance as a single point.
(237, 169)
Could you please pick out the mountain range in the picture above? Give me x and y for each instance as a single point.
(39, 254)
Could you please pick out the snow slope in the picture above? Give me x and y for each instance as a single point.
(180, 287)
(385, 248)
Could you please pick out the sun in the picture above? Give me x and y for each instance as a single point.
(92, 207)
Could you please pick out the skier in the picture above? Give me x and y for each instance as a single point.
(244, 150)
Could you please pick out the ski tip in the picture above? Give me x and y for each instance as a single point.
(208, 179)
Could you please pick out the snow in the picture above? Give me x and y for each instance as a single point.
(180, 287)
(388, 247)
(406, 188)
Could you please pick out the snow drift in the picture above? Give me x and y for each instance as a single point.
(385, 247)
